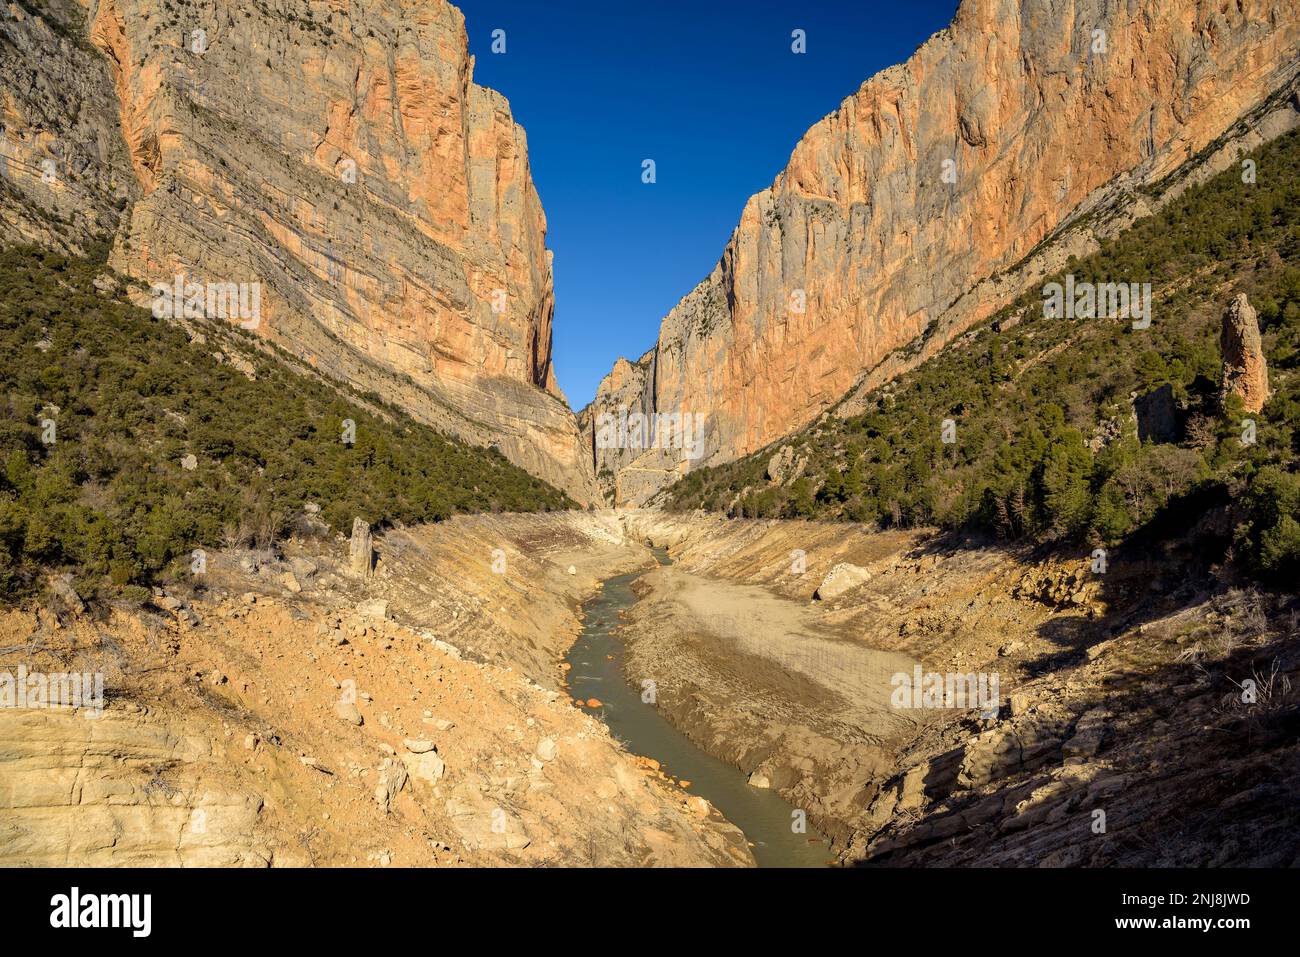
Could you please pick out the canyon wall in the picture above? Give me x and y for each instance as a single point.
(340, 156)
(934, 195)
(65, 174)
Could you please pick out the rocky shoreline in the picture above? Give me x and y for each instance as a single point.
(297, 709)
(1112, 694)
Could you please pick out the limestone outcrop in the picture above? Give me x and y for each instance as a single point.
(361, 549)
(940, 190)
(65, 173)
(840, 579)
(1245, 371)
(128, 788)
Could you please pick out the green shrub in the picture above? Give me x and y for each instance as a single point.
(109, 499)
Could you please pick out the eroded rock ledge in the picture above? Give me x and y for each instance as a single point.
(1120, 733)
(294, 713)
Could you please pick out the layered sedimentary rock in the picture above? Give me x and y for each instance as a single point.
(1245, 371)
(65, 175)
(937, 192)
(230, 734)
(339, 160)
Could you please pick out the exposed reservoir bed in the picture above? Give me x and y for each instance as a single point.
(596, 671)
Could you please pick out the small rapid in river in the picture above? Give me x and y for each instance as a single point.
(596, 671)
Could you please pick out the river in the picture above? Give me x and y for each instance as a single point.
(596, 671)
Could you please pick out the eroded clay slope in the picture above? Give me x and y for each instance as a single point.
(288, 712)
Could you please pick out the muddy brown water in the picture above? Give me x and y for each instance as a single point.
(596, 671)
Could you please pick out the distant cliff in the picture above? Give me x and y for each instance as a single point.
(924, 202)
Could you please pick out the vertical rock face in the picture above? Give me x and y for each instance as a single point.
(339, 159)
(1245, 372)
(627, 474)
(65, 174)
(913, 209)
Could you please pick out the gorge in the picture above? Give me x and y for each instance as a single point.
(364, 590)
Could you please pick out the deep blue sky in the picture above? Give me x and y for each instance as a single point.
(709, 90)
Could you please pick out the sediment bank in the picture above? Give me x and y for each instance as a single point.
(283, 711)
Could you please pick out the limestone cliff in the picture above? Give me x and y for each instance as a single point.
(937, 192)
(65, 174)
(341, 157)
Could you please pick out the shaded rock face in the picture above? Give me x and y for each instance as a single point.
(1157, 415)
(625, 474)
(341, 160)
(66, 173)
(919, 205)
(1245, 372)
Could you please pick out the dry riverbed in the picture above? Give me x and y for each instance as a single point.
(1120, 735)
(288, 713)
(283, 710)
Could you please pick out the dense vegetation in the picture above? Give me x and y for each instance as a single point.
(1047, 446)
(130, 398)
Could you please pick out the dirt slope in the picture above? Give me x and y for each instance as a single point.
(1121, 735)
(280, 714)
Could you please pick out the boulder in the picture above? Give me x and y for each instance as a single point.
(1020, 703)
(1088, 734)
(361, 550)
(392, 778)
(303, 568)
(61, 588)
(349, 712)
(426, 767)
(373, 608)
(911, 790)
(840, 579)
(783, 468)
(1008, 749)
